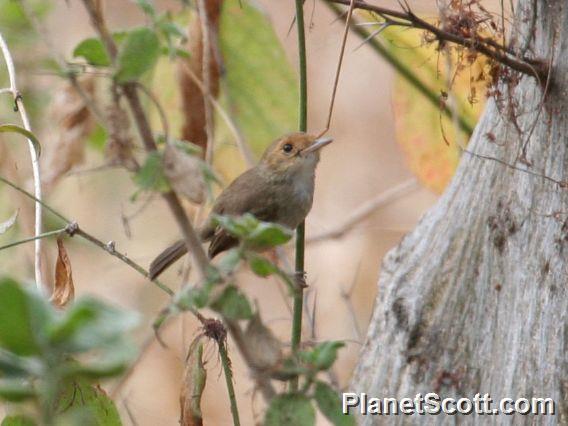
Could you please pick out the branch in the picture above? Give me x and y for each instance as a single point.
(365, 210)
(41, 283)
(72, 228)
(488, 47)
(145, 132)
(405, 71)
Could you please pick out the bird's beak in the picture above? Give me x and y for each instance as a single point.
(317, 145)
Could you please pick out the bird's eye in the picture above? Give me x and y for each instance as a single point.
(287, 148)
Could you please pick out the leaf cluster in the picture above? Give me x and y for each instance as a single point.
(43, 351)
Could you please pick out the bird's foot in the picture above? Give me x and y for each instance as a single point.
(300, 279)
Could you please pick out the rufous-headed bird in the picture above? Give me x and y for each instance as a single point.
(279, 189)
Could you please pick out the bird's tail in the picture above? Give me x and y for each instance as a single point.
(166, 258)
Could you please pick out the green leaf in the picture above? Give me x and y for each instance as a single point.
(138, 54)
(93, 404)
(18, 420)
(230, 261)
(16, 390)
(147, 6)
(151, 174)
(13, 128)
(323, 355)
(193, 297)
(255, 233)
(269, 235)
(171, 29)
(112, 360)
(23, 314)
(93, 51)
(329, 403)
(12, 365)
(239, 226)
(233, 304)
(4, 226)
(261, 85)
(88, 324)
(262, 266)
(290, 409)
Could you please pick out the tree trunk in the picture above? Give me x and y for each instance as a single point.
(475, 299)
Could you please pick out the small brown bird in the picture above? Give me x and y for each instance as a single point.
(279, 189)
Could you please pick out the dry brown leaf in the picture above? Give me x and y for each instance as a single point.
(264, 348)
(71, 122)
(63, 291)
(184, 173)
(193, 384)
(193, 105)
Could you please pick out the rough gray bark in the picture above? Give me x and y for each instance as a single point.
(475, 299)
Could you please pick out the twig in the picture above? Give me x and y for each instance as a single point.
(406, 72)
(561, 183)
(158, 105)
(227, 369)
(262, 381)
(73, 229)
(338, 69)
(493, 50)
(42, 31)
(300, 232)
(41, 283)
(346, 296)
(365, 210)
(36, 237)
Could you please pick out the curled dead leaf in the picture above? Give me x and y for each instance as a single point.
(194, 379)
(64, 290)
(184, 172)
(193, 103)
(264, 348)
(72, 123)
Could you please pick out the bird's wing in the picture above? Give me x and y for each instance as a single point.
(246, 194)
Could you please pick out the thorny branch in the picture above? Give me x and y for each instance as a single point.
(486, 46)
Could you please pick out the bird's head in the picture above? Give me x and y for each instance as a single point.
(294, 153)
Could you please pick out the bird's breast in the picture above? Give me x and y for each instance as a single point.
(296, 201)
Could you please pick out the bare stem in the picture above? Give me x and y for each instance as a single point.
(227, 369)
(19, 107)
(35, 237)
(300, 232)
